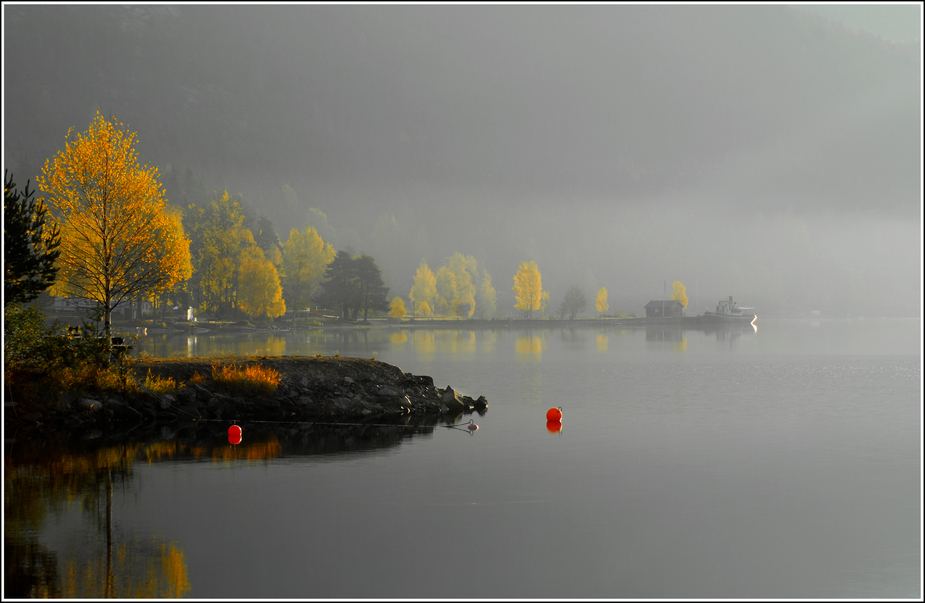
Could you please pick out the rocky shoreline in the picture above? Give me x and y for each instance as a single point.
(317, 388)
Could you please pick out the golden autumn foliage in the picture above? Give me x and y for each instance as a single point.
(109, 567)
(118, 241)
(137, 570)
(223, 238)
(528, 346)
(248, 451)
(528, 288)
(305, 257)
(679, 293)
(259, 291)
(178, 233)
(601, 303)
(446, 290)
(398, 309)
(253, 379)
(487, 296)
(159, 385)
(464, 269)
(424, 292)
(424, 309)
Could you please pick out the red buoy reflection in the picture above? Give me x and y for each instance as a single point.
(234, 435)
(553, 426)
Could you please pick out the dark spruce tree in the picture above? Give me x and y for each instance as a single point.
(353, 285)
(265, 236)
(339, 289)
(372, 291)
(30, 245)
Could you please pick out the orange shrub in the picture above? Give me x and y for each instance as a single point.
(254, 379)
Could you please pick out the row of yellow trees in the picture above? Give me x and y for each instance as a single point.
(451, 291)
(232, 270)
(121, 241)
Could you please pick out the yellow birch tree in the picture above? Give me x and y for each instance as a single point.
(223, 239)
(679, 293)
(528, 288)
(464, 269)
(424, 291)
(259, 291)
(305, 257)
(446, 291)
(398, 309)
(601, 303)
(118, 242)
(487, 297)
(175, 235)
(424, 309)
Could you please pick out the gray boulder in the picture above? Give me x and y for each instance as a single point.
(89, 404)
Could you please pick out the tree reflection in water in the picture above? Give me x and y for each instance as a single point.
(45, 475)
(52, 474)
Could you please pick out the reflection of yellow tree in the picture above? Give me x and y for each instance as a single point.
(137, 570)
(424, 344)
(249, 451)
(398, 339)
(489, 339)
(529, 347)
(456, 342)
(680, 346)
(469, 346)
(601, 343)
(248, 346)
(158, 451)
(276, 346)
(257, 450)
(132, 569)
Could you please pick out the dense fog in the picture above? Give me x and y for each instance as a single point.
(760, 151)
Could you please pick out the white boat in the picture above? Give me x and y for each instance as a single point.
(728, 311)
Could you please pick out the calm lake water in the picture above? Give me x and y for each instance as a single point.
(777, 463)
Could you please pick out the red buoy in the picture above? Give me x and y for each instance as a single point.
(554, 414)
(553, 426)
(472, 427)
(234, 434)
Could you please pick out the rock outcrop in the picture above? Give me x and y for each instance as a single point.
(310, 389)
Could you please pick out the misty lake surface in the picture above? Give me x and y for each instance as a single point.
(777, 463)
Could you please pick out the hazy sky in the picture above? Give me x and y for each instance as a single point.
(747, 150)
(901, 21)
